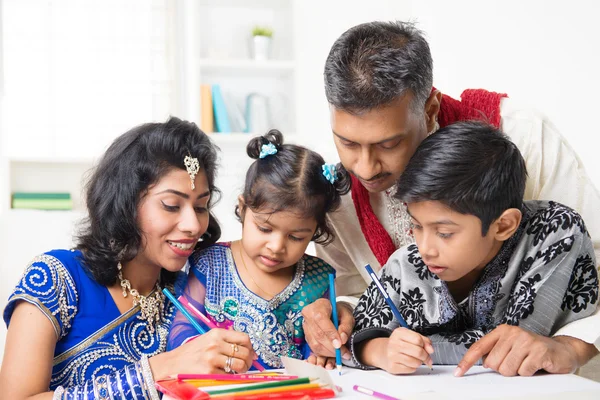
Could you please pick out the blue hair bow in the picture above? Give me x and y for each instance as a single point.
(329, 172)
(267, 150)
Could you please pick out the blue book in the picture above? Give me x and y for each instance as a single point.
(221, 118)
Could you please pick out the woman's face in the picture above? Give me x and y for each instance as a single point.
(172, 217)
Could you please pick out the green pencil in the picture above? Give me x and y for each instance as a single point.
(254, 386)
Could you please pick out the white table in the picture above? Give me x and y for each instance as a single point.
(479, 383)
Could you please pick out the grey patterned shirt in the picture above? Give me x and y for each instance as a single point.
(543, 278)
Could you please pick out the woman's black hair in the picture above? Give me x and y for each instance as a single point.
(135, 161)
(292, 180)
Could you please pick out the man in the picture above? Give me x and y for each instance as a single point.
(378, 81)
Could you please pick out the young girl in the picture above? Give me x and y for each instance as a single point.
(259, 284)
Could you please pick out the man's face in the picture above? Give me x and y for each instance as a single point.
(376, 145)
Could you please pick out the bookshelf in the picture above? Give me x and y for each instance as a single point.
(216, 42)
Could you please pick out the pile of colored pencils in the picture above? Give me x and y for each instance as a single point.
(263, 386)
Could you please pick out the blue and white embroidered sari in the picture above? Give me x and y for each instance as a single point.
(93, 337)
(274, 326)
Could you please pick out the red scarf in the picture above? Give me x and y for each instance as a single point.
(474, 104)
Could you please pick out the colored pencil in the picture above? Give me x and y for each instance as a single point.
(332, 298)
(282, 389)
(386, 296)
(370, 392)
(256, 386)
(180, 390)
(293, 395)
(184, 311)
(237, 377)
(185, 303)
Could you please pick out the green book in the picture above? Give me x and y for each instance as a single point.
(47, 204)
(40, 196)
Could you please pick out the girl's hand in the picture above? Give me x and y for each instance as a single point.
(206, 354)
(325, 362)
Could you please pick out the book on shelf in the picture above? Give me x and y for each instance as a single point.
(207, 121)
(221, 117)
(237, 120)
(42, 200)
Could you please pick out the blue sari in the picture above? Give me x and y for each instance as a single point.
(93, 338)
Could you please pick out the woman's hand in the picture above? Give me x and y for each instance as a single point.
(206, 354)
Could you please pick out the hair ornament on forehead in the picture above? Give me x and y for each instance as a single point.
(329, 172)
(192, 167)
(267, 150)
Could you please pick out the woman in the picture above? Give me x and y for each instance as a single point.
(93, 322)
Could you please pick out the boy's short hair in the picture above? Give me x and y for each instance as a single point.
(471, 167)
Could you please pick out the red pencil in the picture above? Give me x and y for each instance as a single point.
(237, 377)
(292, 395)
(209, 323)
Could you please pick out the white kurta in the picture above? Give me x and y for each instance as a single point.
(554, 173)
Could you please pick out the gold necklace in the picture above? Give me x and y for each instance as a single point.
(150, 306)
(250, 276)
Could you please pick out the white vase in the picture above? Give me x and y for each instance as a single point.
(261, 46)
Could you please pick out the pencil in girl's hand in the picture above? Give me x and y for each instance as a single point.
(386, 296)
(186, 304)
(185, 312)
(332, 298)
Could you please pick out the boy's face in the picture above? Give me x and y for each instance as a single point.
(450, 243)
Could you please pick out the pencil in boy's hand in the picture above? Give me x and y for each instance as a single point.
(186, 304)
(332, 298)
(388, 299)
(185, 312)
(386, 296)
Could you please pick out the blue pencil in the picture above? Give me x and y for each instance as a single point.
(185, 312)
(338, 352)
(386, 296)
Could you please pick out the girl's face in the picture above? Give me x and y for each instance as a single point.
(275, 241)
(172, 217)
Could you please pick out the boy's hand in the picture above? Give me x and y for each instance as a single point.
(402, 353)
(511, 350)
(325, 362)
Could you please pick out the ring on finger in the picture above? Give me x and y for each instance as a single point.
(227, 367)
(234, 349)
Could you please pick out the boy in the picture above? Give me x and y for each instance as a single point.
(483, 257)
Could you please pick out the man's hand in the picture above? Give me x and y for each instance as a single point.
(511, 351)
(320, 333)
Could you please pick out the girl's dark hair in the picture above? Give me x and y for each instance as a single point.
(135, 161)
(290, 180)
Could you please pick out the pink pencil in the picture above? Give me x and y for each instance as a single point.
(209, 323)
(237, 377)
